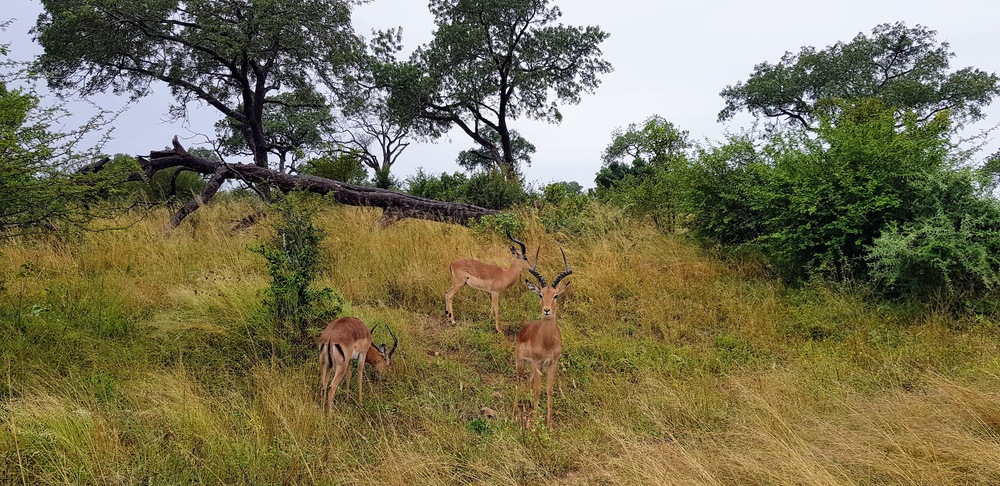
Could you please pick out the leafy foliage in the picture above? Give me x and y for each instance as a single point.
(294, 125)
(488, 189)
(238, 57)
(478, 158)
(292, 261)
(643, 168)
(491, 62)
(905, 68)
(951, 247)
(42, 186)
(836, 203)
(338, 166)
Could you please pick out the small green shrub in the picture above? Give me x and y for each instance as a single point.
(292, 261)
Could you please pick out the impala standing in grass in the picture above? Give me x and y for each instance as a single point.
(483, 276)
(345, 339)
(540, 343)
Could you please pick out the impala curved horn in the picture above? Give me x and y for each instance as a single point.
(372, 330)
(395, 341)
(565, 273)
(524, 250)
(534, 272)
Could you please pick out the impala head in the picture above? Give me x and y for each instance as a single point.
(519, 256)
(386, 354)
(548, 293)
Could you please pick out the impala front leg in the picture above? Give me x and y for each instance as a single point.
(536, 386)
(361, 373)
(548, 385)
(518, 368)
(495, 300)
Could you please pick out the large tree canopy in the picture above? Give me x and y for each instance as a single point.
(237, 56)
(905, 68)
(493, 61)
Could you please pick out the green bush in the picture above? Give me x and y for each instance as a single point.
(488, 189)
(563, 206)
(292, 256)
(815, 203)
(344, 167)
(955, 249)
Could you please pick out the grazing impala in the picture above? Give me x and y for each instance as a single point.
(483, 276)
(540, 343)
(345, 339)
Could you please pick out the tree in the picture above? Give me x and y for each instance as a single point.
(45, 184)
(642, 170)
(904, 68)
(377, 135)
(636, 151)
(237, 56)
(294, 125)
(493, 61)
(480, 158)
(395, 206)
(338, 166)
(816, 203)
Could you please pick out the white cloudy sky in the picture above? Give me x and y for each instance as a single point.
(669, 58)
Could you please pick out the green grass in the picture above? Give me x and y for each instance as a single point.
(126, 359)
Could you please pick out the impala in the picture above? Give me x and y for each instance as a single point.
(539, 343)
(483, 276)
(345, 339)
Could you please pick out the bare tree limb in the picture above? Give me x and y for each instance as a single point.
(395, 205)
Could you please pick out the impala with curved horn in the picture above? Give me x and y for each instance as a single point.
(345, 339)
(540, 343)
(483, 276)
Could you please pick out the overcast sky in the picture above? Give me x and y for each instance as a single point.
(670, 58)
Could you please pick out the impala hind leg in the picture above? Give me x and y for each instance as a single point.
(338, 376)
(347, 379)
(361, 374)
(448, 296)
(324, 366)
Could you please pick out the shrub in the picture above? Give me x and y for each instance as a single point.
(489, 189)
(292, 256)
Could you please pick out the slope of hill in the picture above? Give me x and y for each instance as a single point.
(125, 360)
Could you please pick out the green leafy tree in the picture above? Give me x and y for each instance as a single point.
(47, 179)
(238, 57)
(643, 168)
(816, 204)
(338, 166)
(491, 62)
(905, 68)
(294, 126)
(478, 158)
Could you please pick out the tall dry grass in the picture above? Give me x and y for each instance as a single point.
(125, 361)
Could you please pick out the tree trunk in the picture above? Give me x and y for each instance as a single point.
(395, 205)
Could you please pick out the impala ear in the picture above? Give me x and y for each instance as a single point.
(513, 251)
(532, 287)
(562, 289)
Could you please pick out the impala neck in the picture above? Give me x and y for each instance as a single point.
(512, 273)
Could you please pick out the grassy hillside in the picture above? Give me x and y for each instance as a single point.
(125, 360)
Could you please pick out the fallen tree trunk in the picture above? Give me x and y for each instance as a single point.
(395, 205)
